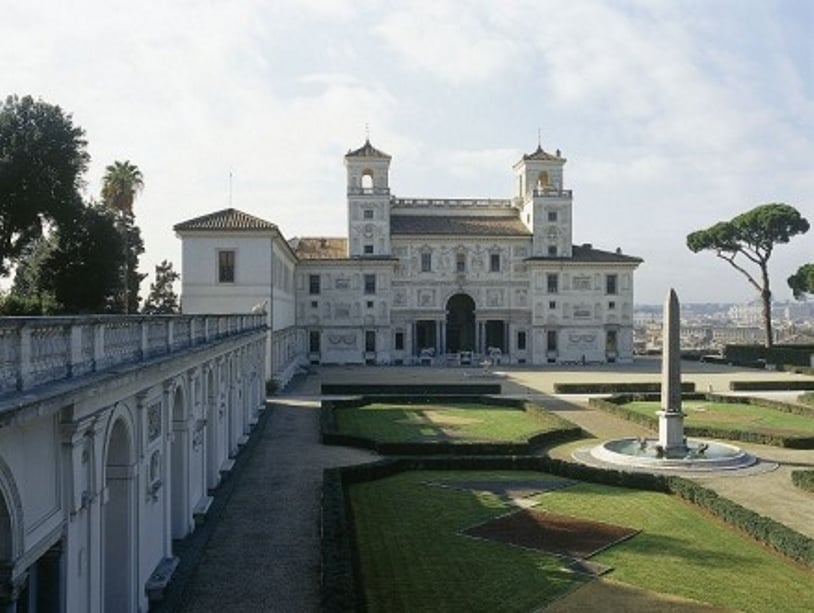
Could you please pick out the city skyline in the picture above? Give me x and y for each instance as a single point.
(672, 115)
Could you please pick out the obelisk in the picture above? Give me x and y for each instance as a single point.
(671, 418)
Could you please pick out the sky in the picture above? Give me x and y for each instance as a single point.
(673, 114)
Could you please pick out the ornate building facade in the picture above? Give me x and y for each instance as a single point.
(422, 280)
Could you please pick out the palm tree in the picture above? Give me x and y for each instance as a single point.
(121, 183)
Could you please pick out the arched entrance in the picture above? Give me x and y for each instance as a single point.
(460, 323)
(118, 521)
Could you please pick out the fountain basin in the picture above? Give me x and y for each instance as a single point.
(698, 455)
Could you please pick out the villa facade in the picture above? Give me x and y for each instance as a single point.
(421, 280)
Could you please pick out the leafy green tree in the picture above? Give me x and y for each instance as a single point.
(75, 269)
(752, 236)
(162, 298)
(42, 158)
(802, 281)
(121, 183)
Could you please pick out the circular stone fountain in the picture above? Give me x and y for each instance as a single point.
(697, 455)
(672, 451)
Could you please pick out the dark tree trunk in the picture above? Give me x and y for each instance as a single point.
(766, 299)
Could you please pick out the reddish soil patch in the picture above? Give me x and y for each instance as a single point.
(557, 534)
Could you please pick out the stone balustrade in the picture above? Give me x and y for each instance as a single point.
(451, 203)
(39, 350)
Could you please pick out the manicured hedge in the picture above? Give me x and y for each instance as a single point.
(777, 405)
(339, 575)
(797, 355)
(616, 388)
(613, 406)
(790, 543)
(412, 389)
(745, 386)
(804, 479)
(330, 435)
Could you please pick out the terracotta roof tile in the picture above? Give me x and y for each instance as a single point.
(319, 248)
(470, 225)
(539, 154)
(228, 219)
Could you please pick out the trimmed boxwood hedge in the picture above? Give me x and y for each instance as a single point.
(616, 388)
(777, 405)
(614, 406)
(790, 543)
(411, 389)
(788, 386)
(331, 436)
(797, 355)
(341, 576)
(804, 479)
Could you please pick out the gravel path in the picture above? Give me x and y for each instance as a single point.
(264, 552)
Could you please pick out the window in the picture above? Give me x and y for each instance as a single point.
(370, 284)
(611, 305)
(610, 284)
(368, 249)
(552, 250)
(370, 340)
(552, 304)
(552, 216)
(226, 266)
(521, 340)
(399, 344)
(460, 262)
(314, 304)
(369, 304)
(426, 262)
(494, 262)
(552, 283)
(313, 341)
(367, 214)
(551, 340)
(313, 284)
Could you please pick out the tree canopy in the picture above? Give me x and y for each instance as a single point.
(42, 158)
(121, 183)
(162, 298)
(752, 236)
(802, 281)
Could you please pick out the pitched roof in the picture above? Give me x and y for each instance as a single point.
(367, 151)
(586, 253)
(320, 248)
(230, 220)
(539, 154)
(471, 225)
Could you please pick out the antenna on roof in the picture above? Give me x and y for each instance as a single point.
(539, 138)
(367, 131)
(230, 189)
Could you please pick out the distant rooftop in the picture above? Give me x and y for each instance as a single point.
(227, 219)
(367, 151)
(320, 248)
(586, 253)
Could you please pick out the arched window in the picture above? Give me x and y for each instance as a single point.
(543, 180)
(367, 179)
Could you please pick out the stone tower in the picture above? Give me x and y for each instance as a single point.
(545, 206)
(368, 201)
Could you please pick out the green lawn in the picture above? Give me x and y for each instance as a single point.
(397, 423)
(747, 417)
(413, 558)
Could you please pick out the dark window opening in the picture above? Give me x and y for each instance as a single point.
(226, 266)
